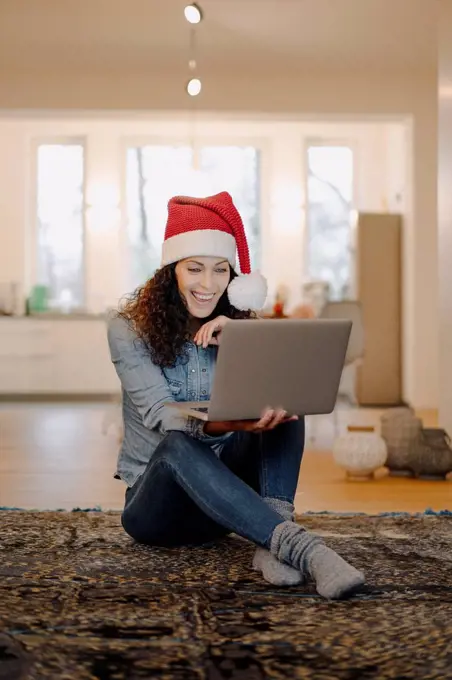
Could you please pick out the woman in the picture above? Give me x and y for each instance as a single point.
(191, 482)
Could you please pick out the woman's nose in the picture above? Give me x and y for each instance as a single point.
(206, 280)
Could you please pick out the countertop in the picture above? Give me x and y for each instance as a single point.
(56, 316)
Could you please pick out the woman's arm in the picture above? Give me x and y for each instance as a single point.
(145, 382)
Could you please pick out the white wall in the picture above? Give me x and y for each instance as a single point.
(445, 215)
(314, 96)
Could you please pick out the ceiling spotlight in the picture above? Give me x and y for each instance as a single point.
(194, 87)
(193, 13)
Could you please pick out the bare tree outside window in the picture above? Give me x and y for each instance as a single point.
(60, 221)
(329, 207)
(155, 173)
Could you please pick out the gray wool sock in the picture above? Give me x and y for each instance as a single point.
(333, 576)
(274, 571)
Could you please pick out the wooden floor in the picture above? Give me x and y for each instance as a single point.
(56, 456)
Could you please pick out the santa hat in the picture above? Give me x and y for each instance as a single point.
(213, 227)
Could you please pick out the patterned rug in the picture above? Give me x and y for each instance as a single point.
(79, 600)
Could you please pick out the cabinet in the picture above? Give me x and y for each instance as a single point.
(60, 356)
(378, 289)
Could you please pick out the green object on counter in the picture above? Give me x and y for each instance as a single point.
(38, 300)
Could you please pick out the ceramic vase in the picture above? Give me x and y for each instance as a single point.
(360, 452)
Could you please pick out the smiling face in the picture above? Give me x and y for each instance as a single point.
(202, 281)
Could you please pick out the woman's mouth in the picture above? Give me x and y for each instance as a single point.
(203, 298)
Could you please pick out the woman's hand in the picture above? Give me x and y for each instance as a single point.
(205, 336)
(270, 419)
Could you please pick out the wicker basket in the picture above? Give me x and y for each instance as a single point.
(400, 428)
(431, 454)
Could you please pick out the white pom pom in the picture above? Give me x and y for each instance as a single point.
(248, 291)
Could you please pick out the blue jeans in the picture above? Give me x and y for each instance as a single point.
(189, 496)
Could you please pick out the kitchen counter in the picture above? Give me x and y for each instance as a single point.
(56, 316)
(51, 353)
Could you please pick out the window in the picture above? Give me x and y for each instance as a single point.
(60, 217)
(329, 206)
(155, 173)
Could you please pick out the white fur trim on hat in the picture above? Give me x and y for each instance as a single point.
(248, 291)
(201, 242)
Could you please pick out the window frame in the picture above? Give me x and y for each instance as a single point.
(31, 265)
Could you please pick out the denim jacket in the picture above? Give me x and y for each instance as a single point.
(146, 388)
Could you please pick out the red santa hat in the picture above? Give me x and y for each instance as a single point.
(213, 227)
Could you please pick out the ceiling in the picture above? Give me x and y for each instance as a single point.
(274, 36)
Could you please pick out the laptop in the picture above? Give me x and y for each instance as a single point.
(294, 364)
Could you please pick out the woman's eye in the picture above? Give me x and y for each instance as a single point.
(221, 271)
(194, 271)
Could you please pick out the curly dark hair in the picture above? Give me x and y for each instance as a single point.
(158, 315)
